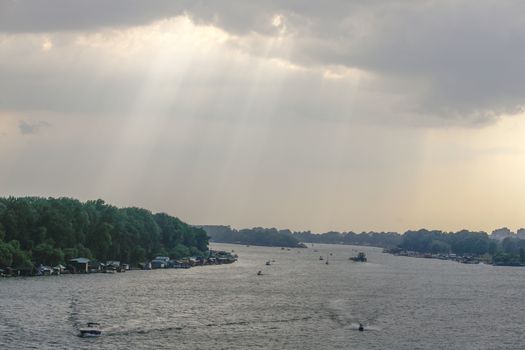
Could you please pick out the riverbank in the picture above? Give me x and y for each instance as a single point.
(463, 259)
(86, 266)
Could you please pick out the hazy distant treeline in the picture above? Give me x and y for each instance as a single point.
(376, 239)
(287, 238)
(37, 230)
(255, 236)
(508, 249)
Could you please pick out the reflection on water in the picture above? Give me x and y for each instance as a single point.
(298, 303)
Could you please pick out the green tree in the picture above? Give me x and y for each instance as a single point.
(180, 251)
(47, 255)
(6, 255)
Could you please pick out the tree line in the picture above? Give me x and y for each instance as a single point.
(35, 230)
(376, 239)
(259, 236)
(508, 250)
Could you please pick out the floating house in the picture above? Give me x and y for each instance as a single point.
(80, 265)
(96, 266)
(160, 262)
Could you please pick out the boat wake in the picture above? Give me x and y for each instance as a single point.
(336, 315)
(73, 314)
(287, 320)
(366, 327)
(181, 328)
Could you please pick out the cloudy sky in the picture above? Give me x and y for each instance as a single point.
(343, 115)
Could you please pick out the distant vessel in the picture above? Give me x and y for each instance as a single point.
(361, 257)
(259, 273)
(92, 330)
(321, 258)
(268, 263)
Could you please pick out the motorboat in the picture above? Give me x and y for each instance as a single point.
(259, 273)
(268, 263)
(361, 257)
(92, 330)
(321, 258)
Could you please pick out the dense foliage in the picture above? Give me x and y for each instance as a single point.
(37, 230)
(287, 238)
(256, 236)
(462, 242)
(509, 250)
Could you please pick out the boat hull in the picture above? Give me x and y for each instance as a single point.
(90, 333)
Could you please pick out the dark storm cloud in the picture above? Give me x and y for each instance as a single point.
(448, 59)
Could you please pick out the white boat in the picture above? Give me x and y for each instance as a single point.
(92, 330)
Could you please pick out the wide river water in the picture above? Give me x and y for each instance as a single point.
(298, 303)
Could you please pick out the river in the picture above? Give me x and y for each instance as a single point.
(298, 303)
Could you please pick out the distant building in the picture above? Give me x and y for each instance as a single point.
(502, 233)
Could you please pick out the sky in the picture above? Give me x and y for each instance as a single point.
(334, 115)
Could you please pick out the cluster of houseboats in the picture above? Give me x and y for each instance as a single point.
(85, 265)
(464, 259)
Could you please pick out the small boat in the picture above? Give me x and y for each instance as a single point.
(268, 263)
(361, 328)
(321, 258)
(92, 330)
(361, 257)
(259, 273)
